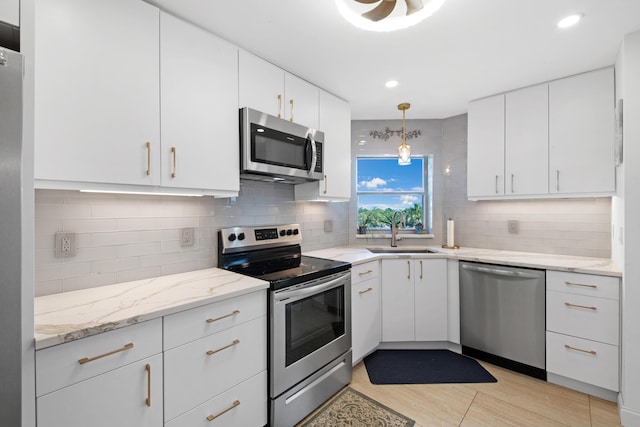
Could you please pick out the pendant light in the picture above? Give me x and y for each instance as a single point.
(404, 150)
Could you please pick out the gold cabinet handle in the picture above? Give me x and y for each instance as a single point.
(567, 346)
(421, 269)
(365, 291)
(235, 312)
(512, 179)
(579, 284)
(148, 369)
(496, 184)
(325, 184)
(175, 154)
(233, 405)
(291, 102)
(148, 158)
(212, 352)
(568, 304)
(409, 270)
(558, 180)
(364, 273)
(279, 106)
(91, 359)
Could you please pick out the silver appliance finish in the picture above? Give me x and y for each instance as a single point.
(11, 66)
(250, 169)
(502, 312)
(284, 377)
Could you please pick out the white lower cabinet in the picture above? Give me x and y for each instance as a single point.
(583, 328)
(365, 309)
(414, 300)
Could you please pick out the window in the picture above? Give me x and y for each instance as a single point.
(384, 186)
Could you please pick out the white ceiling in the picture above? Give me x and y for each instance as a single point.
(467, 50)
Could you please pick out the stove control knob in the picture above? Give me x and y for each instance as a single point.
(295, 232)
(289, 232)
(241, 236)
(283, 232)
(232, 237)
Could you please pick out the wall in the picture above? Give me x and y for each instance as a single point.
(580, 227)
(125, 237)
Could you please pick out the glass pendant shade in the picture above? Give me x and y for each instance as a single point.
(404, 150)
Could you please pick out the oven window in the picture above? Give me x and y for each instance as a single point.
(313, 322)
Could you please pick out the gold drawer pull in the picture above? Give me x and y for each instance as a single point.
(174, 153)
(148, 369)
(91, 359)
(579, 284)
(223, 317)
(568, 304)
(213, 417)
(567, 346)
(212, 352)
(365, 272)
(148, 158)
(365, 291)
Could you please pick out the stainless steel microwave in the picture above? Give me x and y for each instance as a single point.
(274, 149)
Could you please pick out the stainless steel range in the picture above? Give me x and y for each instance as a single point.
(309, 316)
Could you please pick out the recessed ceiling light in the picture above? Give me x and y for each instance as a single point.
(391, 83)
(569, 21)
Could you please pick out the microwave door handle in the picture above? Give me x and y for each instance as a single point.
(313, 153)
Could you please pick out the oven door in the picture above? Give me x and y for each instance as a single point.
(310, 327)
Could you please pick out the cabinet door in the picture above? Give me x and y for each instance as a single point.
(581, 133)
(397, 300)
(365, 315)
(116, 398)
(302, 101)
(261, 85)
(527, 141)
(485, 161)
(199, 109)
(96, 91)
(10, 12)
(430, 299)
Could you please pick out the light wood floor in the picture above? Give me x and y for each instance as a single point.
(515, 400)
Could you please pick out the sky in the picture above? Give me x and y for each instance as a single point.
(384, 177)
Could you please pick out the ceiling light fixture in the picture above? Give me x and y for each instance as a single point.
(569, 21)
(386, 16)
(391, 83)
(404, 150)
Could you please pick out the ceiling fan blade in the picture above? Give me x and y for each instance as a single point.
(413, 6)
(367, 1)
(381, 11)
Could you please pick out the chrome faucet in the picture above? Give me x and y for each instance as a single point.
(394, 228)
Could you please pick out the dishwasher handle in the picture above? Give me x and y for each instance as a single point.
(500, 272)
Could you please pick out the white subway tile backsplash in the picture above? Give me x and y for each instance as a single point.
(88, 281)
(138, 249)
(89, 225)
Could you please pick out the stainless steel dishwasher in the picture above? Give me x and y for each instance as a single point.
(502, 316)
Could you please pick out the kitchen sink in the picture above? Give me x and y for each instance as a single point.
(400, 251)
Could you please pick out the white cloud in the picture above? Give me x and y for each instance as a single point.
(409, 199)
(373, 183)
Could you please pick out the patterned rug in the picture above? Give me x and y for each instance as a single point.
(350, 408)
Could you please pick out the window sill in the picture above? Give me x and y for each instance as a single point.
(400, 236)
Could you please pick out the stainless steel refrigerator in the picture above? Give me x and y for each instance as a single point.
(11, 77)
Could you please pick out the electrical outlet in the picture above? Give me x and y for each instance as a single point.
(65, 244)
(187, 236)
(328, 225)
(513, 226)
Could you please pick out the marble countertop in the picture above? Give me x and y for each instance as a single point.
(359, 254)
(73, 315)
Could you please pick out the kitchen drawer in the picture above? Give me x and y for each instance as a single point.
(116, 398)
(59, 366)
(362, 272)
(192, 376)
(595, 319)
(596, 364)
(583, 284)
(190, 325)
(243, 405)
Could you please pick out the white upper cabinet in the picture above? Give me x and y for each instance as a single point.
(526, 141)
(269, 89)
(96, 92)
(335, 122)
(10, 12)
(199, 108)
(581, 133)
(485, 166)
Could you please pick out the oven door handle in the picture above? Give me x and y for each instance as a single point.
(305, 292)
